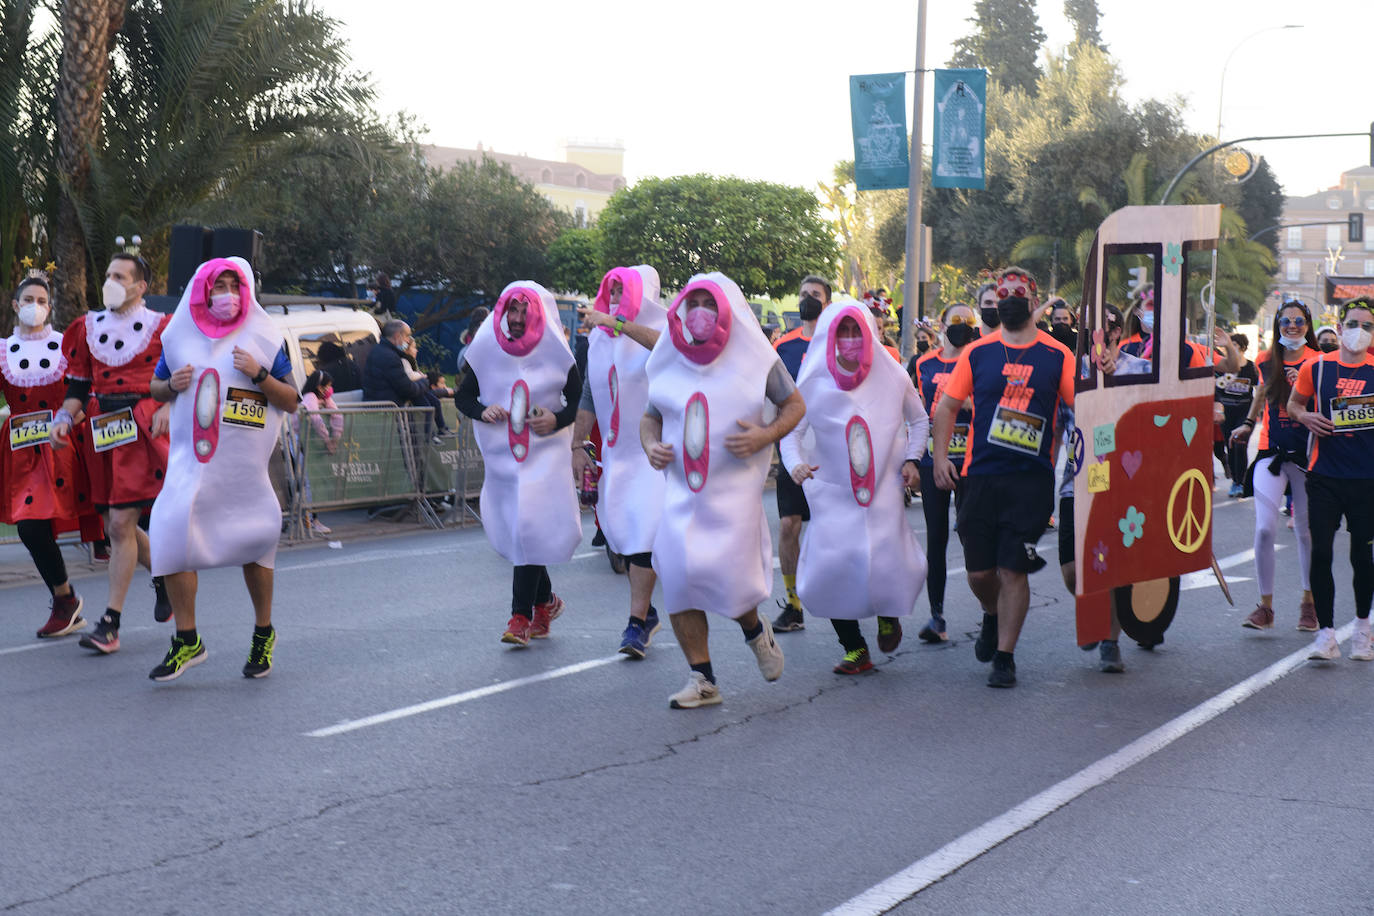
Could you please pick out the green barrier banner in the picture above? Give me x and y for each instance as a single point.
(960, 126)
(367, 464)
(877, 109)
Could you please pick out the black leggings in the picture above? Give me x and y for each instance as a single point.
(1234, 454)
(42, 545)
(1328, 498)
(848, 632)
(935, 505)
(529, 586)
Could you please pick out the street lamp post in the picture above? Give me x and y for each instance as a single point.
(1222, 93)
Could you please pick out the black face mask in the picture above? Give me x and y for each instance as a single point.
(922, 346)
(1014, 311)
(960, 335)
(991, 317)
(1329, 346)
(809, 308)
(1065, 335)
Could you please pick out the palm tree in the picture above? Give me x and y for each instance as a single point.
(28, 69)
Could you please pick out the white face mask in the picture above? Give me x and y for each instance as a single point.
(33, 314)
(1355, 339)
(114, 293)
(1147, 322)
(1293, 343)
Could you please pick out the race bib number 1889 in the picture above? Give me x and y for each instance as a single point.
(1353, 413)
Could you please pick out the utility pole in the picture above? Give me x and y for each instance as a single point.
(915, 248)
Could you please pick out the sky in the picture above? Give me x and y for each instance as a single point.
(760, 89)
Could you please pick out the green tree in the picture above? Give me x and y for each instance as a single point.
(1085, 17)
(764, 236)
(28, 71)
(575, 261)
(1005, 40)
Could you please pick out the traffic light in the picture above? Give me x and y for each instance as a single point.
(1356, 227)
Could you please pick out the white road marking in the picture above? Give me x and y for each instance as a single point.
(37, 645)
(954, 855)
(369, 556)
(453, 700)
(1205, 577)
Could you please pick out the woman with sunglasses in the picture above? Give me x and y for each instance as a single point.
(958, 328)
(1333, 398)
(1281, 462)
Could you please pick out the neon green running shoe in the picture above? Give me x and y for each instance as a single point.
(259, 662)
(180, 657)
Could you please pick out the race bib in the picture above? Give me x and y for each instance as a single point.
(29, 429)
(1351, 414)
(958, 442)
(113, 429)
(245, 407)
(1017, 430)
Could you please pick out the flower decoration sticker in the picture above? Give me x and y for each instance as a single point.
(1100, 558)
(1173, 258)
(1132, 526)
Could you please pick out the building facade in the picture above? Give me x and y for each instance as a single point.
(582, 183)
(1308, 254)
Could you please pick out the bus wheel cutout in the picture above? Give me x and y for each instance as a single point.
(205, 431)
(1145, 609)
(517, 423)
(696, 436)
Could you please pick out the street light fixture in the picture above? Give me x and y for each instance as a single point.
(1222, 93)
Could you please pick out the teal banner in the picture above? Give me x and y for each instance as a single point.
(960, 126)
(877, 107)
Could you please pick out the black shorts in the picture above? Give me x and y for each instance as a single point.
(1001, 516)
(1065, 530)
(791, 497)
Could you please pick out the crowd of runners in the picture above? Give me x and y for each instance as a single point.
(157, 429)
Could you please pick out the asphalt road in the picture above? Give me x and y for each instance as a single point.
(557, 780)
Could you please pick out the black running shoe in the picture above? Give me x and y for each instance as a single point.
(934, 631)
(789, 620)
(162, 607)
(985, 646)
(179, 657)
(1002, 675)
(259, 662)
(105, 639)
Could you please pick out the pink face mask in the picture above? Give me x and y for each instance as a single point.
(850, 349)
(224, 306)
(327, 393)
(701, 323)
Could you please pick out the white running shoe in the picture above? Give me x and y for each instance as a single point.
(319, 527)
(1362, 646)
(767, 652)
(1324, 647)
(698, 692)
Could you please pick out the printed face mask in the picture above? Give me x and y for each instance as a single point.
(224, 306)
(701, 323)
(32, 314)
(113, 293)
(850, 349)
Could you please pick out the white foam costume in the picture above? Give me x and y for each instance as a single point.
(629, 499)
(859, 557)
(712, 551)
(217, 506)
(529, 503)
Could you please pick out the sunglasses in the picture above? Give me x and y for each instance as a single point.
(1353, 323)
(959, 319)
(1293, 322)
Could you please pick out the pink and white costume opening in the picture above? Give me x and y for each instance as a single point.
(859, 557)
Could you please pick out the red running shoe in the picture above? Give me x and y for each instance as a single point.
(65, 618)
(545, 614)
(517, 631)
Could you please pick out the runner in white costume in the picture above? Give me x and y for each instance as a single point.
(709, 378)
(630, 494)
(217, 506)
(523, 388)
(859, 557)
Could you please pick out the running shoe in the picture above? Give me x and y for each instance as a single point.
(651, 625)
(698, 692)
(1109, 657)
(105, 639)
(633, 641)
(790, 619)
(65, 617)
(100, 552)
(1236, 490)
(179, 657)
(855, 661)
(1261, 618)
(1324, 647)
(517, 631)
(1307, 616)
(162, 605)
(545, 614)
(1002, 674)
(985, 646)
(889, 634)
(767, 652)
(933, 631)
(1362, 646)
(320, 527)
(259, 662)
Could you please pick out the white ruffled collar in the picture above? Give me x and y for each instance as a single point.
(115, 338)
(33, 361)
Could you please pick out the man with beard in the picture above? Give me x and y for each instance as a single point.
(792, 508)
(1017, 379)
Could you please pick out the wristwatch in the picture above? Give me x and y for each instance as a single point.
(619, 323)
(261, 376)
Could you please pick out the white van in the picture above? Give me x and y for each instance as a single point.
(345, 333)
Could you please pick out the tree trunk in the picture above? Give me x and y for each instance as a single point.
(89, 28)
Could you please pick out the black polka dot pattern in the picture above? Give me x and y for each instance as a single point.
(138, 325)
(52, 345)
(14, 348)
(104, 338)
(61, 482)
(44, 363)
(157, 474)
(23, 364)
(119, 345)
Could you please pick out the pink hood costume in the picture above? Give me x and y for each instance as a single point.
(712, 551)
(217, 506)
(859, 557)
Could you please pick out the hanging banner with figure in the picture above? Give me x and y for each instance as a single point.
(960, 125)
(877, 107)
